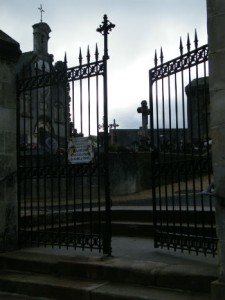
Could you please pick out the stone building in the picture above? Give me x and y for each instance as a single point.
(44, 112)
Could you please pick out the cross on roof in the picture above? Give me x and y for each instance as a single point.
(41, 11)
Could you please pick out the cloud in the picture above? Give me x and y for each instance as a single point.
(141, 27)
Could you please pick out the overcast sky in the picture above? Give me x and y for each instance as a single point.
(141, 27)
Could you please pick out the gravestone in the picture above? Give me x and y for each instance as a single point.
(145, 111)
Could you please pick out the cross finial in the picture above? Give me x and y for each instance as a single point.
(104, 30)
(41, 11)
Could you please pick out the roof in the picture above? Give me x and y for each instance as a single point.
(5, 37)
(9, 48)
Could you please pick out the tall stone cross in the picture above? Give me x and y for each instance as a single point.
(113, 125)
(41, 11)
(145, 111)
(113, 132)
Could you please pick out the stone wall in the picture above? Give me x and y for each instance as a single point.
(9, 52)
(216, 36)
(129, 172)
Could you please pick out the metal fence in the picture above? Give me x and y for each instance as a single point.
(184, 216)
(62, 163)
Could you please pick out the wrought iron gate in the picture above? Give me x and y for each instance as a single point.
(181, 155)
(62, 162)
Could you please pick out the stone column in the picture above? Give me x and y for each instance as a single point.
(9, 53)
(216, 37)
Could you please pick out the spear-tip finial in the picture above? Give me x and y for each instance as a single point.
(181, 46)
(196, 39)
(88, 54)
(65, 59)
(96, 52)
(188, 43)
(161, 56)
(80, 57)
(155, 58)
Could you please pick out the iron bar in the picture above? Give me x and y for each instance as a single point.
(89, 97)
(105, 29)
(38, 164)
(51, 166)
(98, 149)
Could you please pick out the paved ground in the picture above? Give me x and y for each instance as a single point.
(134, 248)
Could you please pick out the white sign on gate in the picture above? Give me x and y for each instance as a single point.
(80, 150)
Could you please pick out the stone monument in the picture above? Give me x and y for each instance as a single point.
(145, 111)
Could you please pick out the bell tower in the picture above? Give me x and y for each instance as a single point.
(41, 36)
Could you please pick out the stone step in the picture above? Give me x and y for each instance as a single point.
(145, 214)
(41, 286)
(133, 214)
(111, 269)
(14, 296)
(144, 229)
(132, 228)
(132, 221)
(128, 228)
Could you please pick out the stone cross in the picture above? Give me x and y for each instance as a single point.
(145, 111)
(113, 132)
(113, 125)
(41, 11)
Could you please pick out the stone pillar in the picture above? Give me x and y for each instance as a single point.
(9, 53)
(216, 37)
